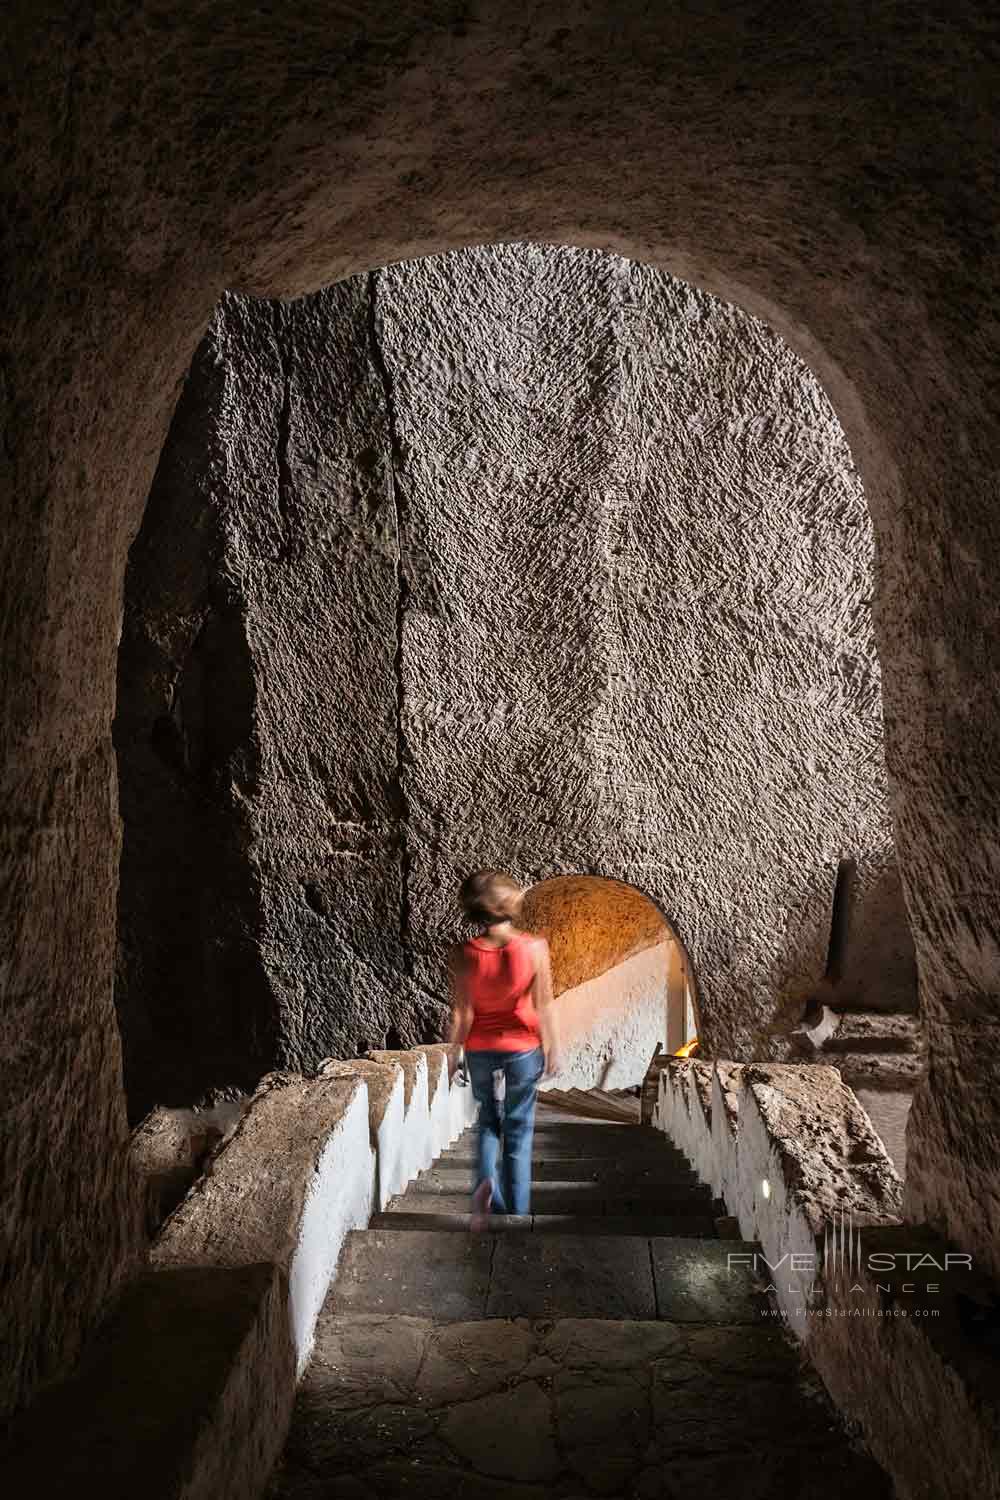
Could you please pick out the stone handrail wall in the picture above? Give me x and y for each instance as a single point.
(882, 1307)
(225, 1315)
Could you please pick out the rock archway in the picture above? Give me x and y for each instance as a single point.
(525, 555)
(621, 976)
(833, 173)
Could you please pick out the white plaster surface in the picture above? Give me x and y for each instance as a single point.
(773, 1217)
(439, 1105)
(610, 1025)
(390, 1178)
(339, 1198)
(725, 1131)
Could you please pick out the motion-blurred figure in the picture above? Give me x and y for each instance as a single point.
(503, 1014)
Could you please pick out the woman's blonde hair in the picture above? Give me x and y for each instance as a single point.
(489, 896)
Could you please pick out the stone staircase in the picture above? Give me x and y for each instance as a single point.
(879, 1054)
(603, 1345)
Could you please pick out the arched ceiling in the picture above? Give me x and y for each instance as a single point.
(591, 924)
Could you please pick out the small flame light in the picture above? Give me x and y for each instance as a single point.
(765, 1188)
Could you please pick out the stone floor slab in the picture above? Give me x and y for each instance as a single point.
(508, 1435)
(426, 1275)
(698, 1282)
(543, 1276)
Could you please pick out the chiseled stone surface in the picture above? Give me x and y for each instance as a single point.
(922, 1333)
(591, 925)
(831, 1159)
(380, 462)
(381, 1078)
(859, 1030)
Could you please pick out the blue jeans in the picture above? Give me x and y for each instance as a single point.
(516, 1124)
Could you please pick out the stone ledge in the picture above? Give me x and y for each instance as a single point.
(386, 1118)
(185, 1394)
(414, 1063)
(188, 1390)
(295, 1177)
(831, 1161)
(169, 1149)
(875, 1031)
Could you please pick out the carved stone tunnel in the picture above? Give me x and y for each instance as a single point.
(831, 175)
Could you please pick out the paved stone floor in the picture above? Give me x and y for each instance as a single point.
(602, 1349)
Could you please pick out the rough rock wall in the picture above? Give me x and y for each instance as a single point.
(639, 642)
(541, 559)
(194, 1004)
(257, 730)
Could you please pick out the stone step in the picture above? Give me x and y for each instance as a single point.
(592, 1104)
(456, 1277)
(577, 1197)
(875, 1031)
(698, 1226)
(586, 1169)
(553, 1198)
(607, 1132)
(888, 1071)
(455, 1172)
(579, 1140)
(450, 1221)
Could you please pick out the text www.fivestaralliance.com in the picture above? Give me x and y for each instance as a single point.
(855, 1312)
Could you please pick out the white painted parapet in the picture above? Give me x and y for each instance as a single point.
(809, 1161)
(386, 1118)
(439, 1095)
(880, 1306)
(215, 1335)
(417, 1149)
(296, 1176)
(683, 1110)
(726, 1079)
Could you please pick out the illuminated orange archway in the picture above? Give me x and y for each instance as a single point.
(598, 928)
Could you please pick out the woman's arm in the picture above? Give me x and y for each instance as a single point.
(545, 1006)
(461, 1009)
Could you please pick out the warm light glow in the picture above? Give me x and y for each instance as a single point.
(765, 1187)
(688, 1048)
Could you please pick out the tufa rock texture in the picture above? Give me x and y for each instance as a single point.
(534, 558)
(591, 925)
(832, 171)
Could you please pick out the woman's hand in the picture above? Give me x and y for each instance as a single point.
(553, 1062)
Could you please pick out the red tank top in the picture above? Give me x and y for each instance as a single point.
(498, 984)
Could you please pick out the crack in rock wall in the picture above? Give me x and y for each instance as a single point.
(542, 559)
